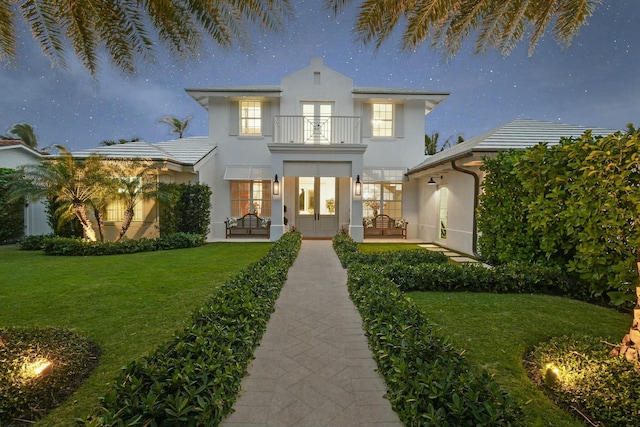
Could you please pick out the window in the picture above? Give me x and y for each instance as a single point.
(382, 198)
(116, 208)
(443, 211)
(250, 118)
(382, 120)
(251, 197)
(115, 211)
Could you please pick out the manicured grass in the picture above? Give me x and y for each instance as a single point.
(496, 330)
(127, 304)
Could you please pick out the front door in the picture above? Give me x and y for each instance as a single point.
(317, 209)
(317, 122)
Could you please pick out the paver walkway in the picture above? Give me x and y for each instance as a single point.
(313, 366)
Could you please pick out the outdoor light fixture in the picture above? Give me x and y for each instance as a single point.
(432, 181)
(276, 186)
(358, 188)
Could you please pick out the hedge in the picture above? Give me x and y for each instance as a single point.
(194, 379)
(429, 383)
(79, 247)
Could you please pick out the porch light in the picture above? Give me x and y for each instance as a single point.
(276, 186)
(431, 181)
(358, 187)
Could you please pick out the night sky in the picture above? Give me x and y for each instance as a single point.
(594, 82)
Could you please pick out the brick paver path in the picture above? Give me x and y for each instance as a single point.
(313, 367)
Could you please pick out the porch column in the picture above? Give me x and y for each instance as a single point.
(277, 222)
(356, 230)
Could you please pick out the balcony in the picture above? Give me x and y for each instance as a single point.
(317, 130)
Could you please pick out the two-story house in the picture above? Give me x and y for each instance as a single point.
(315, 152)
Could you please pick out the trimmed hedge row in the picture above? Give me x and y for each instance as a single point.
(53, 245)
(195, 378)
(508, 278)
(429, 383)
(26, 398)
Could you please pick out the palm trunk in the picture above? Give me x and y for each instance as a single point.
(126, 222)
(81, 214)
(100, 220)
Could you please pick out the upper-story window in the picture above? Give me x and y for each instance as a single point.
(382, 120)
(250, 118)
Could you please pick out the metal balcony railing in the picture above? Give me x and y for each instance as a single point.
(316, 130)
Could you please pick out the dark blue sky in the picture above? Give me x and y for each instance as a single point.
(594, 82)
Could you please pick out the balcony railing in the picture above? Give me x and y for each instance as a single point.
(317, 130)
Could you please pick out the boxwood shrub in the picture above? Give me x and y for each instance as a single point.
(429, 382)
(25, 397)
(78, 247)
(194, 379)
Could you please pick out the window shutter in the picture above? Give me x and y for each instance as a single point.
(367, 115)
(267, 120)
(234, 118)
(398, 126)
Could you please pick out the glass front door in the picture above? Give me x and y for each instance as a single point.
(317, 122)
(316, 211)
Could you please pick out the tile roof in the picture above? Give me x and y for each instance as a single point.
(186, 151)
(518, 134)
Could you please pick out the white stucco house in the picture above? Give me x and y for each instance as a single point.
(320, 153)
(13, 154)
(449, 182)
(315, 152)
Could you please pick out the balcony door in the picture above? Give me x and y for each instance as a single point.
(317, 210)
(317, 122)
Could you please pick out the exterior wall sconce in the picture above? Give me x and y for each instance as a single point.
(357, 190)
(276, 186)
(432, 181)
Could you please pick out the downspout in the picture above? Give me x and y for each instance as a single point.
(476, 191)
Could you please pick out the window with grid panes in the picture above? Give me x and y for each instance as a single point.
(382, 120)
(250, 118)
(251, 197)
(382, 198)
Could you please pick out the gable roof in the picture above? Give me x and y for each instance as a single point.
(183, 151)
(518, 134)
(6, 144)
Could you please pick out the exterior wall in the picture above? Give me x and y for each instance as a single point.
(35, 214)
(315, 83)
(460, 209)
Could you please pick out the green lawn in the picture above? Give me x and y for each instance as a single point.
(496, 330)
(127, 304)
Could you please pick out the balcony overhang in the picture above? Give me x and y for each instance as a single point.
(318, 149)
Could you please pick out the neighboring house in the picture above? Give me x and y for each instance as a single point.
(186, 160)
(450, 181)
(13, 154)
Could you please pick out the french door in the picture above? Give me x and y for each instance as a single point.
(317, 209)
(317, 122)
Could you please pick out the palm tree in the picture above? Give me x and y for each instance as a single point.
(500, 24)
(25, 133)
(108, 142)
(70, 182)
(135, 183)
(128, 29)
(431, 143)
(177, 126)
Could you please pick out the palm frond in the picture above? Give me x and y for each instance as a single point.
(78, 19)
(424, 19)
(42, 18)
(7, 33)
(570, 16)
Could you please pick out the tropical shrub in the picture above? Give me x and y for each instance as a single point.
(11, 211)
(194, 379)
(578, 373)
(429, 382)
(185, 208)
(26, 394)
(574, 205)
(80, 247)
